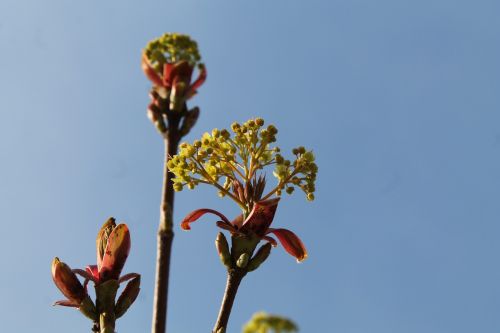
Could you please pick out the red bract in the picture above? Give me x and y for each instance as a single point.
(113, 246)
(175, 77)
(257, 223)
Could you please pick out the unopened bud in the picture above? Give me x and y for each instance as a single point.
(242, 261)
(223, 249)
(259, 257)
(102, 238)
(116, 253)
(189, 120)
(67, 282)
(177, 96)
(128, 296)
(157, 119)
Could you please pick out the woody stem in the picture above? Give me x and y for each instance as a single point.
(165, 228)
(234, 277)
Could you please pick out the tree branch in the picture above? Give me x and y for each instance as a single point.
(165, 229)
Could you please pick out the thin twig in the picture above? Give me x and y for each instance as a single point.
(234, 277)
(165, 230)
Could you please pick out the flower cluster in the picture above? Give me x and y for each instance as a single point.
(235, 164)
(169, 62)
(238, 161)
(113, 246)
(262, 322)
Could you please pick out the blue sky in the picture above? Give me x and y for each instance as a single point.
(398, 99)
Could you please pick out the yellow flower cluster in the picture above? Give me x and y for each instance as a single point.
(234, 164)
(171, 48)
(262, 322)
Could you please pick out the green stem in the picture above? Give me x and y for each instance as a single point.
(105, 303)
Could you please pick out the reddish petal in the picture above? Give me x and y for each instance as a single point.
(168, 75)
(199, 81)
(238, 221)
(66, 303)
(116, 253)
(127, 277)
(93, 270)
(85, 274)
(229, 227)
(270, 240)
(291, 243)
(150, 71)
(261, 216)
(195, 215)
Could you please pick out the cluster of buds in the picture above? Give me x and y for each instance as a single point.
(113, 246)
(169, 62)
(262, 322)
(235, 165)
(232, 163)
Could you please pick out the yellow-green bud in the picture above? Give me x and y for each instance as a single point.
(223, 249)
(242, 261)
(235, 127)
(259, 257)
(310, 196)
(225, 134)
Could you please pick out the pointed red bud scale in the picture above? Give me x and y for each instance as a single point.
(195, 215)
(102, 239)
(116, 253)
(168, 75)
(199, 81)
(67, 282)
(128, 296)
(150, 72)
(261, 216)
(291, 242)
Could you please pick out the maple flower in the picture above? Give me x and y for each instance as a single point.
(169, 63)
(235, 165)
(256, 224)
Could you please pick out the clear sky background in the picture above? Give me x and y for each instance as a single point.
(399, 100)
